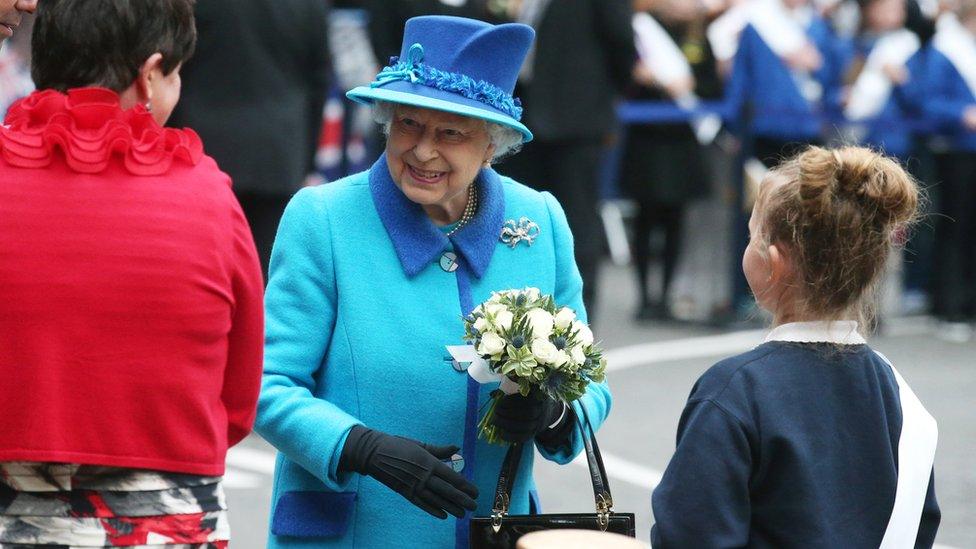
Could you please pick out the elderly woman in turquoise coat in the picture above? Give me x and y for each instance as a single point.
(370, 279)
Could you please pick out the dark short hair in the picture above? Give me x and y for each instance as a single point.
(78, 43)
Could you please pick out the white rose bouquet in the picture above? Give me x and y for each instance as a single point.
(534, 345)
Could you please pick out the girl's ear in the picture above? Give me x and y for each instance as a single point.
(779, 264)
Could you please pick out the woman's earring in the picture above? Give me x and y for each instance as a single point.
(148, 106)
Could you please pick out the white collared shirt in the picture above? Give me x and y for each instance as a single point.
(841, 332)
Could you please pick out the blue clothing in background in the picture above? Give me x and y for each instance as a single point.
(946, 98)
(364, 294)
(787, 445)
(762, 83)
(895, 128)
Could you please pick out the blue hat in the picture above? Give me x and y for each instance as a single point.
(457, 65)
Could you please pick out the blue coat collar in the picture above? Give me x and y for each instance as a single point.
(418, 242)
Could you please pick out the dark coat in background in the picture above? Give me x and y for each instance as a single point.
(663, 163)
(584, 57)
(663, 167)
(388, 17)
(255, 88)
(254, 91)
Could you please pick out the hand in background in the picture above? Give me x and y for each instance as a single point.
(969, 118)
(644, 76)
(806, 59)
(898, 74)
(681, 87)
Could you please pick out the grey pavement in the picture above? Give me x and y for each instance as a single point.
(648, 398)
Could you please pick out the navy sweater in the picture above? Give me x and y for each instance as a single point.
(787, 445)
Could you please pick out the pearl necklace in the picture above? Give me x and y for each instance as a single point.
(469, 210)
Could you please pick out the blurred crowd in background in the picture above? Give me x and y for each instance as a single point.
(654, 120)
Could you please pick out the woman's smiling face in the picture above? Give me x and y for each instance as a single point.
(435, 156)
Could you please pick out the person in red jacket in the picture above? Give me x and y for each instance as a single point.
(131, 323)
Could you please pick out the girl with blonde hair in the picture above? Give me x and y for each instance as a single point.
(812, 439)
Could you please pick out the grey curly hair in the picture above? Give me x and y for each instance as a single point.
(507, 141)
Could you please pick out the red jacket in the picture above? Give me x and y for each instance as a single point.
(131, 322)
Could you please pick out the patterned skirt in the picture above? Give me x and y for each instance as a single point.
(67, 506)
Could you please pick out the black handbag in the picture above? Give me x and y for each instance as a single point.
(502, 531)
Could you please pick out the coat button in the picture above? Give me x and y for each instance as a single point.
(456, 463)
(449, 262)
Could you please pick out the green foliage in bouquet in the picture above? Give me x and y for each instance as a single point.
(538, 345)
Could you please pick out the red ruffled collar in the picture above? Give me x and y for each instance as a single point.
(91, 130)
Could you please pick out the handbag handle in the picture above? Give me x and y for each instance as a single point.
(598, 477)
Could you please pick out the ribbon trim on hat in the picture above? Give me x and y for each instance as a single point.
(414, 70)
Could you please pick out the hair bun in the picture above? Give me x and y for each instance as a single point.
(836, 211)
(884, 193)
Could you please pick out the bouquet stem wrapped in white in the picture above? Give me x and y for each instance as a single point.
(540, 347)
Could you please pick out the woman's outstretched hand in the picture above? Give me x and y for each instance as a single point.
(412, 469)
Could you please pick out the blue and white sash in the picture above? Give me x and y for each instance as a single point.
(872, 89)
(658, 51)
(782, 29)
(668, 64)
(916, 455)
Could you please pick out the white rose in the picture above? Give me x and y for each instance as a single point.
(583, 333)
(491, 345)
(561, 358)
(481, 325)
(541, 322)
(565, 318)
(532, 293)
(492, 309)
(503, 320)
(543, 351)
(576, 353)
(495, 298)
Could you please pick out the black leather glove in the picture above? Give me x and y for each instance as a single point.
(519, 419)
(412, 469)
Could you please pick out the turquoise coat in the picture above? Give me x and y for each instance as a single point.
(361, 302)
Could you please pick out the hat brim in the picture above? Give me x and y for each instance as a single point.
(367, 95)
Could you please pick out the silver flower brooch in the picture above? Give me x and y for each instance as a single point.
(524, 230)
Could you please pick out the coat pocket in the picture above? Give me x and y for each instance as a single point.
(313, 514)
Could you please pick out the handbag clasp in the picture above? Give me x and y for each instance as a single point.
(604, 508)
(499, 511)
